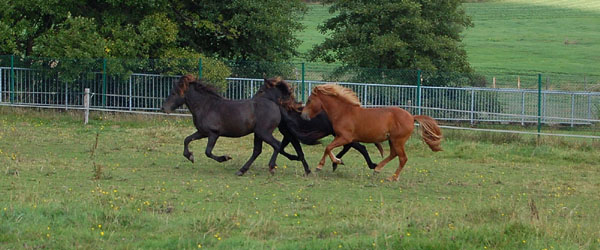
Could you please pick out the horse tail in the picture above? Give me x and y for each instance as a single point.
(430, 132)
(309, 138)
(293, 126)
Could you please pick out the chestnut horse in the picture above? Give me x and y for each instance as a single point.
(352, 123)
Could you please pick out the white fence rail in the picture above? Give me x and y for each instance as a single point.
(146, 92)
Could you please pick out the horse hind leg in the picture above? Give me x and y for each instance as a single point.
(212, 140)
(390, 157)
(399, 148)
(286, 140)
(255, 153)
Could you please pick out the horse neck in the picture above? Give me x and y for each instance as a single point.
(335, 108)
(198, 101)
(270, 95)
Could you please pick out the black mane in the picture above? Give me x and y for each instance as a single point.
(203, 87)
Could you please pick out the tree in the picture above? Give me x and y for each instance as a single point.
(233, 30)
(393, 34)
(21, 22)
(240, 29)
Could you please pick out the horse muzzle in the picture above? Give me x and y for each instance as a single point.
(166, 110)
(305, 116)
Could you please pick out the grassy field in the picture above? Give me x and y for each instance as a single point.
(512, 37)
(136, 190)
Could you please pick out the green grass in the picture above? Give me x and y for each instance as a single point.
(548, 36)
(310, 36)
(483, 191)
(518, 37)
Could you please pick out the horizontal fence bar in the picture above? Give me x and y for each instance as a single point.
(146, 92)
(189, 115)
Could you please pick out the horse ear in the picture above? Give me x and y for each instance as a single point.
(269, 83)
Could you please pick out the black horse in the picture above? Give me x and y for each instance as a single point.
(216, 116)
(295, 129)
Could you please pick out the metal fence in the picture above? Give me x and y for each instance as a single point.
(146, 92)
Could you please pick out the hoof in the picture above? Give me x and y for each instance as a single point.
(334, 167)
(338, 161)
(372, 166)
(391, 178)
(307, 173)
(239, 173)
(272, 170)
(318, 169)
(191, 157)
(224, 158)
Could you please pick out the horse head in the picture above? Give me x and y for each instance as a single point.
(178, 91)
(280, 92)
(328, 95)
(313, 106)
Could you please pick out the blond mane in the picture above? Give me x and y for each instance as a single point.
(339, 91)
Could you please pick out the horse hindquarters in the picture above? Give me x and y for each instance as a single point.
(431, 134)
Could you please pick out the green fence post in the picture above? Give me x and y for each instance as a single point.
(539, 126)
(200, 68)
(419, 91)
(303, 87)
(104, 83)
(12, 78)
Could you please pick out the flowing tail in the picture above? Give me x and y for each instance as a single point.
(292, 119)
(430, 132)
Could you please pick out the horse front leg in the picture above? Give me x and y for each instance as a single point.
(212, 140)
(300, 153)
(186, 152)
(363, 151)
(340, 155)
(338, 141)
(284, 143)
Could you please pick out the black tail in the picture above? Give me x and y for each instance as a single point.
(307, 132)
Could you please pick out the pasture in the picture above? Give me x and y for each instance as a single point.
(517, 36)
(134, 189)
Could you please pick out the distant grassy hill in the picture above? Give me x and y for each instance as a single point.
(554, 37)
(535, 36)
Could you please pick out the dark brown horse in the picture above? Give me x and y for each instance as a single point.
(354, 123)
(215, 116)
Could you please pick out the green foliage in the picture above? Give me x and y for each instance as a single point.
(21, 22)
(185, 61)
(264, 69)
(241, 29)
(72, 45)
(77, 35)
(389, 34)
